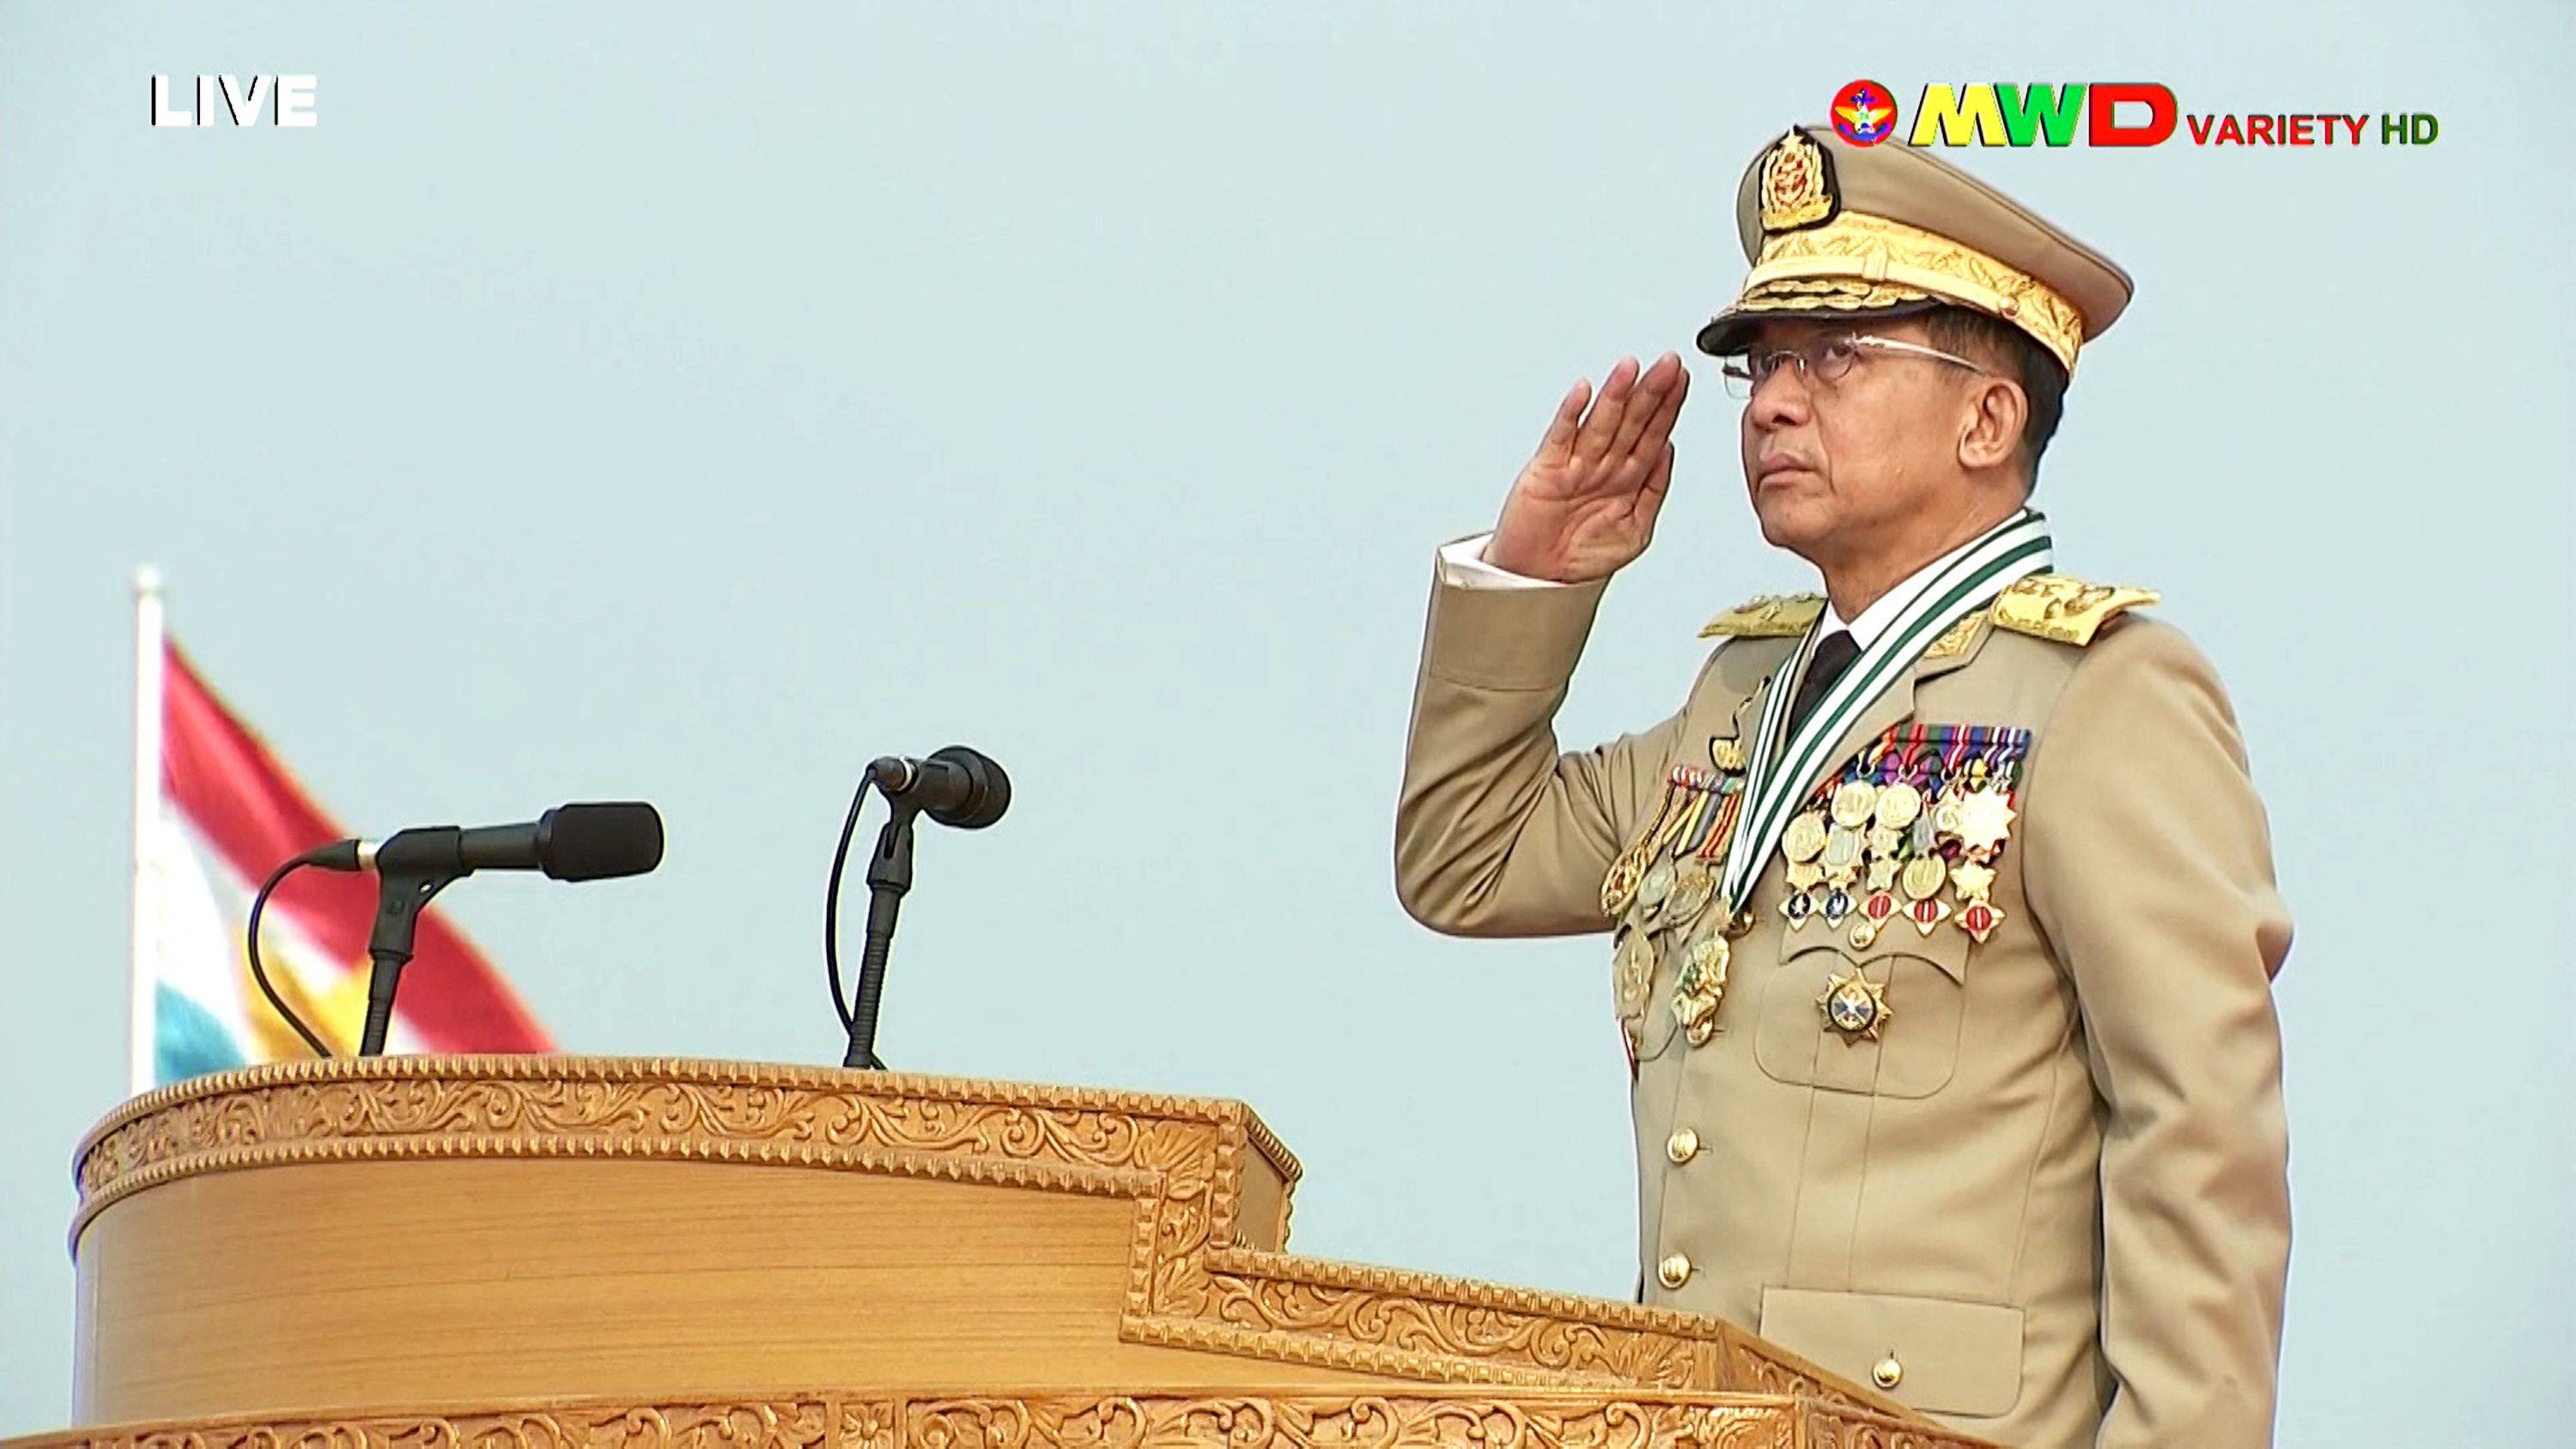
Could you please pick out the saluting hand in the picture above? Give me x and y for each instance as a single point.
(1585, 505)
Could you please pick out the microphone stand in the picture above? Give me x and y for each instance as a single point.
(400, 894)
(889, 876)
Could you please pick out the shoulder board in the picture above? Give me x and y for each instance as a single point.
(2063, 608)
(1770, 616)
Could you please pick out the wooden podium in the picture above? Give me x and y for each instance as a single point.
(552, 1252)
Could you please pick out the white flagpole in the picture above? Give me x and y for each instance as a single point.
(147, 813)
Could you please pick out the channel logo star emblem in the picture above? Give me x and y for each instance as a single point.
(1864, 114)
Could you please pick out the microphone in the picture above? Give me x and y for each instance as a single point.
(957, 786)
(569, 842)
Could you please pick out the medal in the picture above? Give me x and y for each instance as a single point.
(1854, 802)
(1985, 814)
(1841, 855)
(1712, 809)
(1926, 913)
(1619, 887)
(1728, 812)
(1898, 805)
(1654, 886)
(1837, 904)
(1805, 839)
(1855, 1006)
(1691, 888)
(1882, 871)
(1632, 971)
(1702, 984)
(1923, 876)
(1979, 919)
(1875, 913)
(1977, 915)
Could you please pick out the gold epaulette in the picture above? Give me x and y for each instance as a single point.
(1769, 617)
(2066, 609)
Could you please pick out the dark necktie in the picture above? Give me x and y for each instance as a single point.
(1833, 655)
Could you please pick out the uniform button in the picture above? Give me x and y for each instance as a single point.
(1682, 1146)
(1674, 1271)
(1888, 1373)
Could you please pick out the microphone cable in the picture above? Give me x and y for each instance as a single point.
(832, 901)
(259, 972)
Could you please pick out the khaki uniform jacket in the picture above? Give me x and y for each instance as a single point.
(2054, 1191)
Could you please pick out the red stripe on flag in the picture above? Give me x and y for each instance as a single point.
(225, 781)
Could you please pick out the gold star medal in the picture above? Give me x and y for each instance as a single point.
(1985, 818)
(1977, 916)
(1855, 1006)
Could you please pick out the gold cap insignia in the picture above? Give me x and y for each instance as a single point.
(1797, 184)
(2063, 608)
(1771, 616)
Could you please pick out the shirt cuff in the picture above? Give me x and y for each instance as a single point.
(1463, 566)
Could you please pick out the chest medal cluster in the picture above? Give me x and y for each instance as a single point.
(1668, 877)
(1908, 833)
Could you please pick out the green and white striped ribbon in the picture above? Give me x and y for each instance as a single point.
(2012, 549)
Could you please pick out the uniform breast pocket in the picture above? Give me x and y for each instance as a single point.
(1884, 1020)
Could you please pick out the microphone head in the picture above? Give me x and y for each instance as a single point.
(599, 841)
(988, 793)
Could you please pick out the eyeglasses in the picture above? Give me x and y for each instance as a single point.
(1827, 360)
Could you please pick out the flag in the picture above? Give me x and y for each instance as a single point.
(215, 813)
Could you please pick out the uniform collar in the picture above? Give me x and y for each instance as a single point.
(1873, 621)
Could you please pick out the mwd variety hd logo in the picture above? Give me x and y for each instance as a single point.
(2101, 113)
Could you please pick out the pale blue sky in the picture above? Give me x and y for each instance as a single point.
(692, 402)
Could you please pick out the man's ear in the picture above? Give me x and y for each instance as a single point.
(1991, 433)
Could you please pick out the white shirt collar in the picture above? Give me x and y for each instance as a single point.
(1873, 621)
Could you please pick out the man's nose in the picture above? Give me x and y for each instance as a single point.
(1781, 400)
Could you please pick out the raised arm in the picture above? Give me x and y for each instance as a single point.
(1498, 832)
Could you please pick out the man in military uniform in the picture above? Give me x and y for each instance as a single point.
(1942, 911)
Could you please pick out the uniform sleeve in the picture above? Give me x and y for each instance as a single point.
(2150, 872)
(1497, 833)
(1463, 563)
